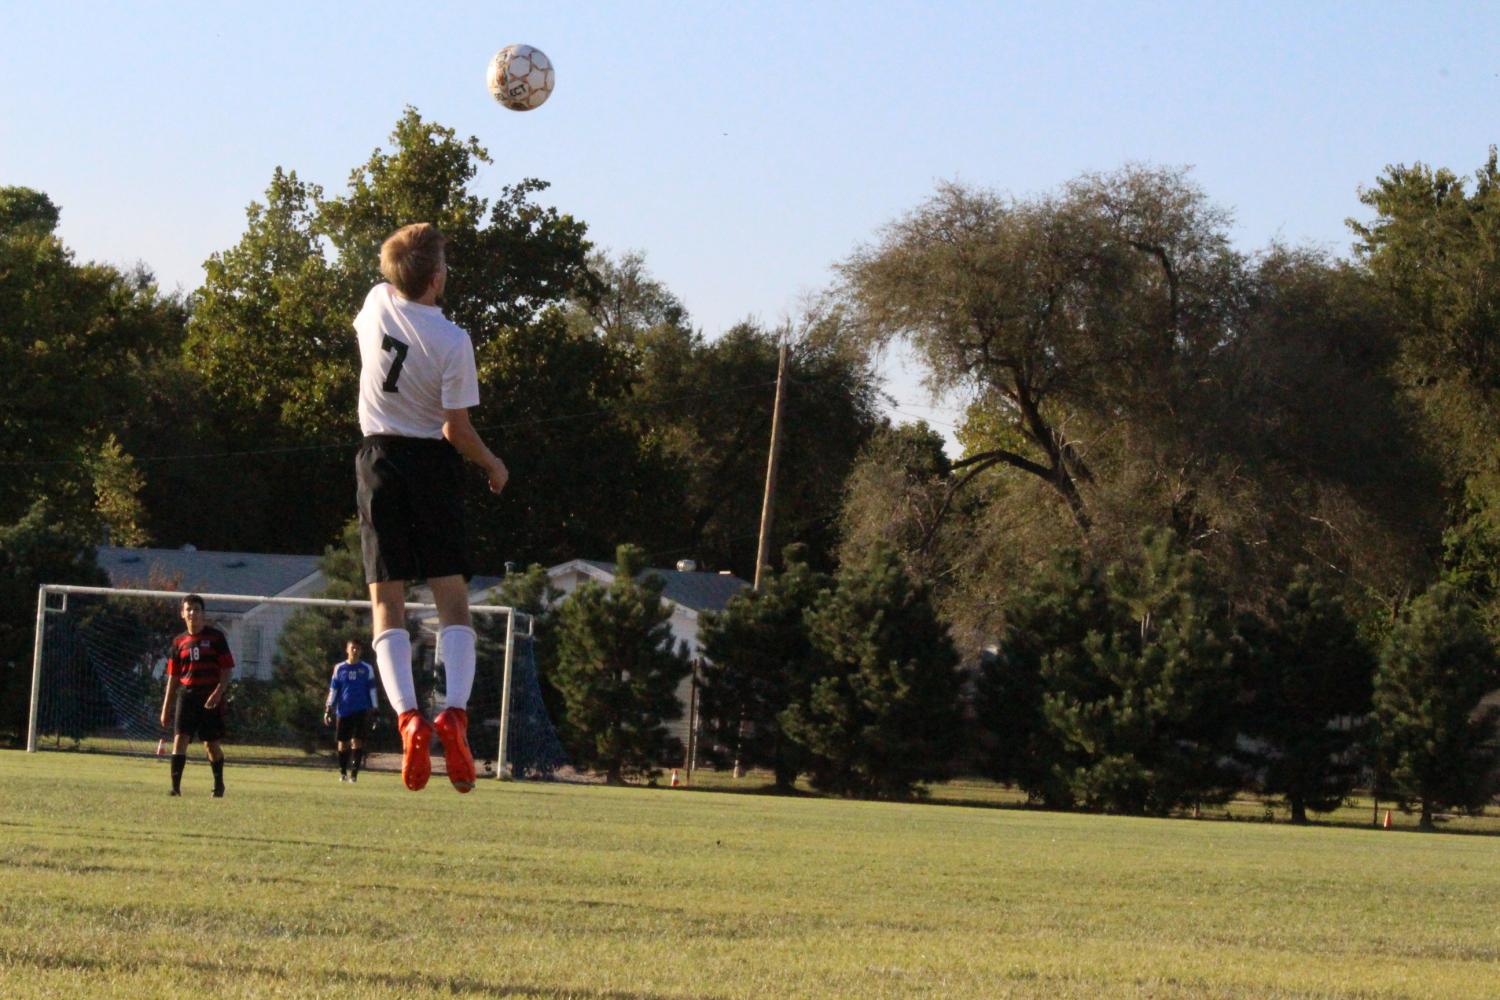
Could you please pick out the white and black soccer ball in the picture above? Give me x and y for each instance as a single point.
(520, 77)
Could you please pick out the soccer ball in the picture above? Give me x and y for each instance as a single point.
(520, 77)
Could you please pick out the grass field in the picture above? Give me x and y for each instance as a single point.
(297, 886)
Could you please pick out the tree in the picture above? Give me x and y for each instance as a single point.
(1124, 368)
(1051, 306)
(1055, 612)
(1436, 742)
(1145, 708)
(39, 548)
(618, 668)
(758, 661)
(882, 714)
(271, 354)
(117, 488)
(1431, 250)
(80, 348)
(709, 404)
(1310, 682)
(896, 495)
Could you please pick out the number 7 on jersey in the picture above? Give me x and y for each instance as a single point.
(389, 343)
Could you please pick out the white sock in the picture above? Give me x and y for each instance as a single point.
(393, 657)
(456, 650)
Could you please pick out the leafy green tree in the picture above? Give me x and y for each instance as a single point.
(1145, 708)
(758, 662)
(1431, 249)
(36, 549)
(581, 478)
(882, 715)
(81, 343)
(618, 668)
(1435, 740)
(703, 409)
(1125, 368)
(1047, 306)
(1060, 606)
(1310, 676)
(271, 357)
(897, 495)
(117, 487)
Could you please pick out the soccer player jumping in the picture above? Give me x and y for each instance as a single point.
(417, 381)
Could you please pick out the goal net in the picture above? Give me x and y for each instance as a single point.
(98, 677)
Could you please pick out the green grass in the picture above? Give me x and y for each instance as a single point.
(297, 886)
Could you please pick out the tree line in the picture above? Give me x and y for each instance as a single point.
(1147, 406)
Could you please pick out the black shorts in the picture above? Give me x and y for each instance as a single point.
(195, 719)
(354, 726)
(411, 512)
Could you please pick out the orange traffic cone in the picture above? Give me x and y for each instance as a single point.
(676, 781)
(1387, 823)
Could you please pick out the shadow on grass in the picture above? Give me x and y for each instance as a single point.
(984, 796)
(374, 983)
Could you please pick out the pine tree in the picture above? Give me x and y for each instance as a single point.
(534, 748)
(759, 661)
(882, 714)
(1055, 611)
(618, 667)
(1310, 677)
(1145, 707)
(1436, 743)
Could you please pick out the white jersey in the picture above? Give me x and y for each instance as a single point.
(414, 364)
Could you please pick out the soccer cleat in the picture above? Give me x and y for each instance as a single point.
(343, 779)
(416, 750)
(219, 792)
(175, 792)
(452, 725)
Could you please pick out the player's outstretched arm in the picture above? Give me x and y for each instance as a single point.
(460, 433)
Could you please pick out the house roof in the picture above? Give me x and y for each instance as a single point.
(209, 572)
(696, 591)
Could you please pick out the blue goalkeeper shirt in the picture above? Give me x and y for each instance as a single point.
(353, 689)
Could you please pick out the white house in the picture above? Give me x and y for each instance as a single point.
(252, 629)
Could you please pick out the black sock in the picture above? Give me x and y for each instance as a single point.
(179, 761)
(359, 759)
(218, 766)
(344, 761)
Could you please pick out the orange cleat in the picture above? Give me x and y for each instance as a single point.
(416, 750)
(452, 725)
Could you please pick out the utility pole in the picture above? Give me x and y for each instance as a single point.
(766, 509)
(769, 505)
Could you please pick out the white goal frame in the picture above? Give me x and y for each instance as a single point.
(43, 609)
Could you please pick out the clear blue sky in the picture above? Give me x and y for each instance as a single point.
(742, 147)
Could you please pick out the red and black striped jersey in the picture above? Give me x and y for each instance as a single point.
(200, 660)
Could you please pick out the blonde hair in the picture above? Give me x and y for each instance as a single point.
(410, 258)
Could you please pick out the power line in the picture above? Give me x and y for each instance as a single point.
(341, 445)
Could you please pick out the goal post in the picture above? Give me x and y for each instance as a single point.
(99, 656)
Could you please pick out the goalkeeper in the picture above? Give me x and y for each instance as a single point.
(353, 699)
